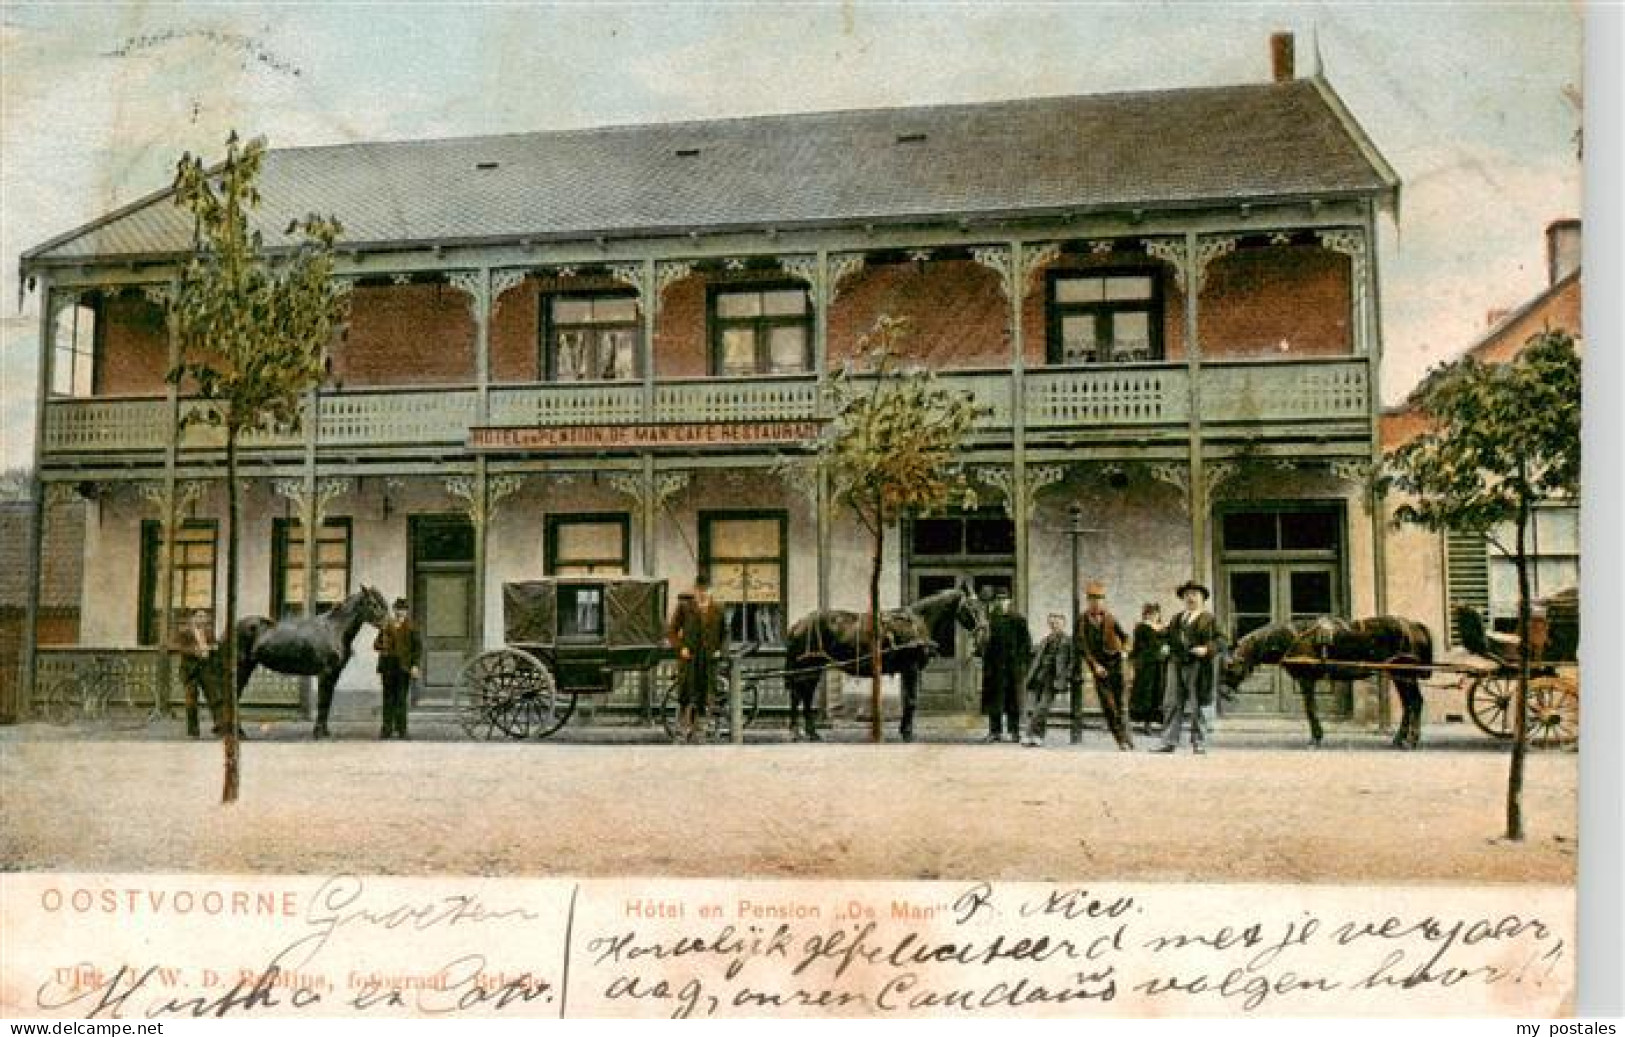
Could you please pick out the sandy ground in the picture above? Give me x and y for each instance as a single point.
(1260, 808)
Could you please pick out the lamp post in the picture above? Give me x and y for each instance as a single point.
(1075, 532)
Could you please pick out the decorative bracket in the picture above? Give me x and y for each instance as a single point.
(631, 275)
(668, 273)
(665, 486)
(805, 268)
(1001, 478)
(841, 266)
(186, 492)
(57, 493)
(1188, 273)
(1014, 272)
(1176, 475)
(1351, 242)
(1216, 474)
(482, 508)
(476, 285)
(503, 281)
(157, 294)
(313, 512)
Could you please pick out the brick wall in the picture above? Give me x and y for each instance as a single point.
(413, 334)
(958, 315)
(1256, 299)
(135, 347)
(424, 333)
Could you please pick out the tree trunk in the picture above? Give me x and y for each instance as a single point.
(876, 657)
(228, 793)
(1520, 704)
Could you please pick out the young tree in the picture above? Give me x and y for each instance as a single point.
(254, 328)
(891, 448)
(1502, 439)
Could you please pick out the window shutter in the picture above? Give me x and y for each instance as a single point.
(1467, 576)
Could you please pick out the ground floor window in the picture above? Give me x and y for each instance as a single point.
(288, 566)
(744, 555)
(1553, 544)
(588, 545)
(192, 583)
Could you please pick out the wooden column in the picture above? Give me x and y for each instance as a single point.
(1198, 495)
(169, 516)
(36, 510)
(1016, 288)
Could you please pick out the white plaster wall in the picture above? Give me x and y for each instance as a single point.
(1141, 553)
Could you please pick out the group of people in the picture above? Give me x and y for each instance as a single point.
(399, 645)
(1172, 665)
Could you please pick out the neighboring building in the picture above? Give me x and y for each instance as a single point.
(1430, 572)
(62, 563)
(584, 351)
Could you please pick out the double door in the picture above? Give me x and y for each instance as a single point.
(1261, 594)
(953, 680)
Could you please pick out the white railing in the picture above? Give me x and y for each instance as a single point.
(593, 403)
(103, 425)
(1295, 390)
(1137, 395)
(783, 398)
(398, 417)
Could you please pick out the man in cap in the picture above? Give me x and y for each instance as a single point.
(399, 647)
(1051, 675)
(698, 631)
(1004, 668)
(1193, 638)
(1100, 644)
(200, 670)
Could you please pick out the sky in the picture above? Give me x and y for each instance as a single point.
(1471, 103)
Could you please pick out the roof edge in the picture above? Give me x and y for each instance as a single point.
(26, 261)
(1352, 127)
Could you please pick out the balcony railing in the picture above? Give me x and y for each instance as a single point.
(1125, 396)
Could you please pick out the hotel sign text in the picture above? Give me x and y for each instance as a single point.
(642, 436)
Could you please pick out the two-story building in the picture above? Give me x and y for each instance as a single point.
(586, 351)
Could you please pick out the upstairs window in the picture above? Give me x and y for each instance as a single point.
(761, 331)
(1105, 318)
(73, 351)
(592, 338)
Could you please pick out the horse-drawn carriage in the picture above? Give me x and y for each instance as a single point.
(564, 637)
(1490, 673)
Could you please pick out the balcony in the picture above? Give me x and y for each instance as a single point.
(1265, 396)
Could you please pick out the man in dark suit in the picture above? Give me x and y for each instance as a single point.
(1004, 669)
(699, 633)
(400, 649)
(1193, 640)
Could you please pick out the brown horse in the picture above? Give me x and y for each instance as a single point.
(1386, 640)
(839, 639)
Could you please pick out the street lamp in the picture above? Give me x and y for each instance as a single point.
(1075, 532)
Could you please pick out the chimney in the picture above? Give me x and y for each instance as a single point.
(1562, 249)
(1281, 56)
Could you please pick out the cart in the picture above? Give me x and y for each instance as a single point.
(1490, 675)
(564, 637)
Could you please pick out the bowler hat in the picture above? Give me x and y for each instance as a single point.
(1192, 585)
(400, 603)
(1094, 589)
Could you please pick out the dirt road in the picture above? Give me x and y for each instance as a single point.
(947, 810)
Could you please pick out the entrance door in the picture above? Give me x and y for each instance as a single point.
(443, 602)
(1281, 592)
(953, 680)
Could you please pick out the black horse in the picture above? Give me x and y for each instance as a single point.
(1387, 640)
(841, 640)
(309, 646)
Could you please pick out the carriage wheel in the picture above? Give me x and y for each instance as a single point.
(511, 692)
(721, 718)
(1489, 700)
(1554, 712)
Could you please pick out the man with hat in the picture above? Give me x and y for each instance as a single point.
(1100, 642)
(399, 647)
(1004, 668)
(1192, 638)
(699, 633)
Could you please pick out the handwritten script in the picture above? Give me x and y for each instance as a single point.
(551, 948)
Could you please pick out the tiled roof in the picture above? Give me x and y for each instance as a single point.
(1136, 150)
(63, 560)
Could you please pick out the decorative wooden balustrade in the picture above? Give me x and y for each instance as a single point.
(1095, 397)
